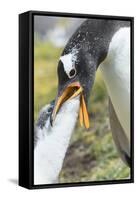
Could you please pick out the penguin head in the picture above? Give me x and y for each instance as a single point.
(76, 67)
(76, 73)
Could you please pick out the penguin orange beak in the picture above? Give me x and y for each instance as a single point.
(70, 92)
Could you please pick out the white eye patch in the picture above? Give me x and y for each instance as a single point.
(68, 61)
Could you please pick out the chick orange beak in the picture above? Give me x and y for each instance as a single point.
(73, 90)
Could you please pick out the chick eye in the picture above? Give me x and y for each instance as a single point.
(72, 73)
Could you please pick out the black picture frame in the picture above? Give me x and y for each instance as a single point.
(26, 99)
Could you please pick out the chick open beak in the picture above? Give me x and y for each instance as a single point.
(70, 92)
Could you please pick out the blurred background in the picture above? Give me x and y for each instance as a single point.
(92, 155)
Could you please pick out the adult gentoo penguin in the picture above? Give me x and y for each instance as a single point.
(103, 44)
(96, 43)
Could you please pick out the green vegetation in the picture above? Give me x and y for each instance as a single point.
(92, 154)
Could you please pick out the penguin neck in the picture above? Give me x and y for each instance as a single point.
(51, 148)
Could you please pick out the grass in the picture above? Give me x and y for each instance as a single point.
(92, 155)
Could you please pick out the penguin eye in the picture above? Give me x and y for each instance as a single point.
(72, 73)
